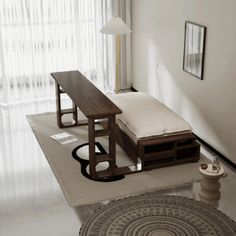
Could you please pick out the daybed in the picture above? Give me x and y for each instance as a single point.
(148, 130)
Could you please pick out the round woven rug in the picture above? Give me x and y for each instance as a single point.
(158, 215)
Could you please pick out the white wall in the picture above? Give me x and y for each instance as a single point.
(158, 40)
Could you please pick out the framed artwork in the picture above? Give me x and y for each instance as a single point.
(194, 49)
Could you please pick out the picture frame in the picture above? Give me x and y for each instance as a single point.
(194, 49)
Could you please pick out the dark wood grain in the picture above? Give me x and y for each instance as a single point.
(61, 112)
(127, 144)
(92, 161)
(85, 95)
(95, 105)
(160, 151)
(112, 142)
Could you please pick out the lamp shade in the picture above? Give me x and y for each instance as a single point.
(115, 26)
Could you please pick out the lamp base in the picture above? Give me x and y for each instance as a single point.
(116, 91)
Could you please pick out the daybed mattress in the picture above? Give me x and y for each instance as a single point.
(143, 117)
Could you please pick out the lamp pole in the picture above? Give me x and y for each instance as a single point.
(117, 27)
(118, 50)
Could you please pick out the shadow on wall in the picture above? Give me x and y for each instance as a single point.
(165, 87)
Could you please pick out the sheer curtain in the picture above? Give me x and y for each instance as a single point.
(38, 37)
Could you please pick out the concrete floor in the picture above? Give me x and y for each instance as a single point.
(31, 201)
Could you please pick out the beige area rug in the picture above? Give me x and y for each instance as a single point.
(79, 190)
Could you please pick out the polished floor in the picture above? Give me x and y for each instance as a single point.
(31, 201)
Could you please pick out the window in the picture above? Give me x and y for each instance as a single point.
(43, 36)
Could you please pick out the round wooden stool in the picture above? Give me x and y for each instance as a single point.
(210, 185)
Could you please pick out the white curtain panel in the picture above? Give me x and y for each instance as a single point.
(38, 37)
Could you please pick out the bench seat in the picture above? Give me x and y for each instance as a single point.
(143, 117)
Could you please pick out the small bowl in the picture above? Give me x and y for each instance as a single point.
(204, 166)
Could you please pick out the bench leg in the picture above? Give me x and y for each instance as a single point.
(112, 143)
(61, 112)
(91, 134)
(112, 149)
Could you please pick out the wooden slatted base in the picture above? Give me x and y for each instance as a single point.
(160, 151)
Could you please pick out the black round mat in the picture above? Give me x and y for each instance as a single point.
(158, 215)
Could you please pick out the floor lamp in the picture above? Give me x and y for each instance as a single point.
(117, 27)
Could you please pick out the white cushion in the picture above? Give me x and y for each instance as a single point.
(144, 116)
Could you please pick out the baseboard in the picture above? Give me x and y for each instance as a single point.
(220, 155)
(133, 89)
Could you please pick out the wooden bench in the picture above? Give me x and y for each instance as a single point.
(95, 106)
